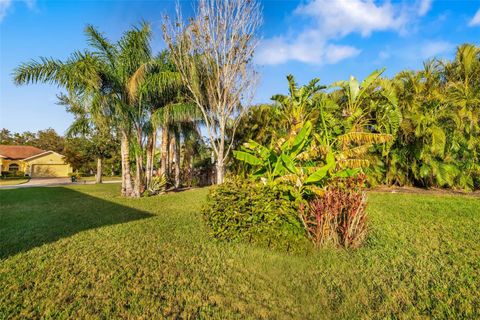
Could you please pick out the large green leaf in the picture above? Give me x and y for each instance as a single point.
(289, 163)
(279, 168)
(347, 173)
(264, 152)
(368, 81)
(247, 157)
(318, 175)
(321, 173)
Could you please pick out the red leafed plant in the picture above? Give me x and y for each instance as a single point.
(338, 217)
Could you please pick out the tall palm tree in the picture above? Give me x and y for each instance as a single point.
(111, 72)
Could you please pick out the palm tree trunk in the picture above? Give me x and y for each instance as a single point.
(139, 186)
(176, 139)
(127, 188)
(164, 151)
(98, 176)
(151, 141)
(171, 155)
(139, 182)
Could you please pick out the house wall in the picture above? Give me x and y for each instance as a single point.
(51, 164)
(6, 163)
(57, 161)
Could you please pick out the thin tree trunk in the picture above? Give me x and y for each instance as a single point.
(171, 156)
(221, 158)
(164, 151)
(127, 188)
(150, 155)
(98, 176)
(220, 171)
(176, 139)
(139, 186)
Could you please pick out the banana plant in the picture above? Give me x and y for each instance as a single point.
(292, 162)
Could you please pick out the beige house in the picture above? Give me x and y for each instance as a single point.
(33, 161)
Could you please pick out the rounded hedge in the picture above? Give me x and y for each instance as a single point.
(240, 210)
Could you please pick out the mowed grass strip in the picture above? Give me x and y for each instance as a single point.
(84, 252)
(13, 182)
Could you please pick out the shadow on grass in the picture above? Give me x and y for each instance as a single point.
(31, 217)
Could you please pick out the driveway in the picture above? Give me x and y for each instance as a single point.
(50, 182)
(40, 182)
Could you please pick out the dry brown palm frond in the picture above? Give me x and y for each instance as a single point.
(353, 163)
(356, 151)
(364, 138)
(135, 81)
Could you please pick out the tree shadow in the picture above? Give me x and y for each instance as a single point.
(31, 217)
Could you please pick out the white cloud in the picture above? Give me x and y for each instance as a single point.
(330, 21)
(309, 47)
(475, 20)
(432, 49)
(336, 53)
(4, 5)
(342, 17)
(424, 7)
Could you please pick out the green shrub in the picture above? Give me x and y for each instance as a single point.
(6, 174)
(157, 185)
(240, 210)
(13, 174)
(19, 174)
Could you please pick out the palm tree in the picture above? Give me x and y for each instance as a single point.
(176, 120)
(89, 122)
(117, 74)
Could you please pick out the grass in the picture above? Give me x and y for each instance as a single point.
(104, 178)
(84, 252)
(13, 181)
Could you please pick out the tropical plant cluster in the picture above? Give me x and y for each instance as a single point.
(319, 164)
(321, 144)
(432, 117)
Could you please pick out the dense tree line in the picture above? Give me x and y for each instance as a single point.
(418, 128)
(433, 116)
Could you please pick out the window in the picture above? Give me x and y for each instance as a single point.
(13, 167)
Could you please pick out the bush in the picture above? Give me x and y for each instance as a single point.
(338, 217)
(13, 174)
(157, 185)
(239, 210)
(19, 174)
(6, 174)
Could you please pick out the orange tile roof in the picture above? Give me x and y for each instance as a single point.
(19, 152)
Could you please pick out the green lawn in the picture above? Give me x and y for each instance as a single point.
(84, 252)
(104, 178)
(12, 182)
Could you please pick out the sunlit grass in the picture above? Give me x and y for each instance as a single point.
(12, 182)
(83, 251)
(104, 178)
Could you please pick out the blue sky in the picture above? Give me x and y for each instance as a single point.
(329, 39)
